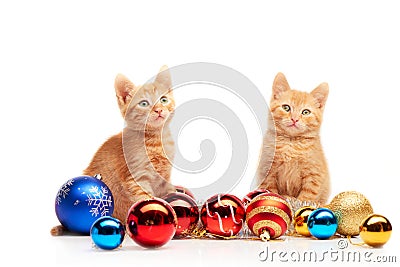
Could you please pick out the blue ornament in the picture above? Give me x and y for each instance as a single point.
(322, 223)
(81, 201)
(107, 233)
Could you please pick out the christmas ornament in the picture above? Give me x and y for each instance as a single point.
(247, 198)
(186, 211)
(375, 230)
(81, 201)
(181, 189)
(300, 220)
(107, 233)
(268, 216)
(322, 223)
(151, 222)
(350, 208)
(223, 215)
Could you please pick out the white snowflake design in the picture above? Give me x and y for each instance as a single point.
(100, 199)
(64, 191)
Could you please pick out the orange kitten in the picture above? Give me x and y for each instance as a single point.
(136, 163)
(298, 168)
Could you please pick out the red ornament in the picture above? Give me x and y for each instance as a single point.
(247, 198)
(181, 189)
(151, 222)
(186, 211)
(268, 216)
(223, 215)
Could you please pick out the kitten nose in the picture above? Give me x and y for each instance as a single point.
(294, 121)
(158, 111)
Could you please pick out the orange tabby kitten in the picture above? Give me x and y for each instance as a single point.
(298, 168)
(136, 163)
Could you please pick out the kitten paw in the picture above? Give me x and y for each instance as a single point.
(57, 230)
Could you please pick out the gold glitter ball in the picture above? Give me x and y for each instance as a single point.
(350, 209)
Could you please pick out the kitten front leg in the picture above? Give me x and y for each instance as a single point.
(152, 185)
(270, 183)
(139, 190)
(266, 173)
(310, 188)
(163, 188)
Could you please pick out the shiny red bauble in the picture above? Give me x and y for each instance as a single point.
(186, 211)
(151, 222)
(247, 198)
(223, 215)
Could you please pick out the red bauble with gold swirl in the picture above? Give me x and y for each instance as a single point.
(268, 216)
(223, 215)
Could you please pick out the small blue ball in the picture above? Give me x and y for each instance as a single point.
(81, 201)
(322, 223)
(107, 233)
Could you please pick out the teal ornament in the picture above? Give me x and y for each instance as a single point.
(322, 223)
(107, 233)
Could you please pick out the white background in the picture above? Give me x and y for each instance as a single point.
(58, 61)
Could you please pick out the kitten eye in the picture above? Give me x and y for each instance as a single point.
(286, 108)
(164, 100)
(306, 112)
(144, 103)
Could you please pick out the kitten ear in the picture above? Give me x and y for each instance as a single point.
(123, 87)
(280, 85)
(321, 94)
(164, 77)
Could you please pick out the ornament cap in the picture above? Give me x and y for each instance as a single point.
(265, 236)
(98, 176)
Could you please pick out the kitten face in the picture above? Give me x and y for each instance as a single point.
(146, 107)
(151, 106)
(297, 113)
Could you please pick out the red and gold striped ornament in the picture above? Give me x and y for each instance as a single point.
(268, 216)
(247, 198)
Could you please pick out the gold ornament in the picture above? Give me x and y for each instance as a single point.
(350, 209)
(375, 230)
(301, 219)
